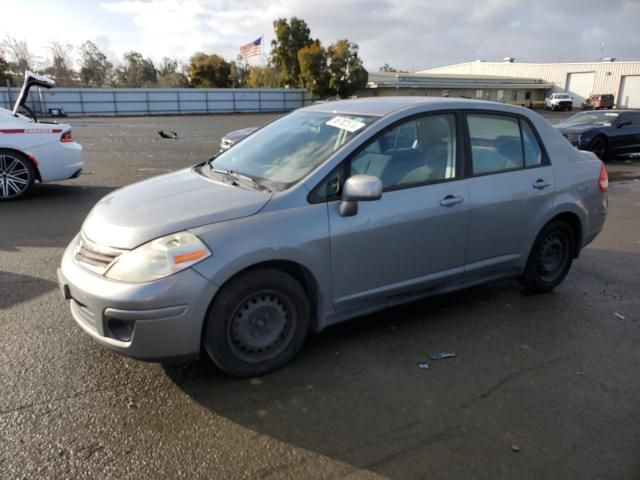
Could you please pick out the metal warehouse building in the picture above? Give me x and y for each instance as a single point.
(519, 91)
(622, 79)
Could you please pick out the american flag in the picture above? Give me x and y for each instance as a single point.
(252, 49)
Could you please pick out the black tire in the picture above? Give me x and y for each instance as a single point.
(257, 323)
(600, 147)
(551, 257)
(17, 175)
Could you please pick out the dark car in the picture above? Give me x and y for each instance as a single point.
(599, 101)
(607, 134)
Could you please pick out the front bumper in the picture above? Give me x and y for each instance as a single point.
(149, 321)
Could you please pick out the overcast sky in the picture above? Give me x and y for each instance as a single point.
(407, 34)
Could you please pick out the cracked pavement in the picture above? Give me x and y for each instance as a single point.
(556, 375)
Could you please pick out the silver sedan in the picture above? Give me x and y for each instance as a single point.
(328, 213)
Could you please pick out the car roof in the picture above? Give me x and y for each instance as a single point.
(382, 106)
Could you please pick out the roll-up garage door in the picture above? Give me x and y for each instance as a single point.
(580, 86)
(629, 92)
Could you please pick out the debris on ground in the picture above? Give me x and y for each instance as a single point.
(256, 381)
(515, 448)
(619, 315)
(423, 365)
(442, 355)
(171, 135)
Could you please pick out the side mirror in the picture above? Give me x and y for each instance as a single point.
(622, 124)
(359, 188)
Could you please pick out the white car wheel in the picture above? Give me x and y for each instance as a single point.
(16, 175)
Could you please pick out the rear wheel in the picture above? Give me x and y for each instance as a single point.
(257, 323)
(600, 147)
(550, 258)
(16, 175)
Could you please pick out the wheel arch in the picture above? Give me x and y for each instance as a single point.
(30, 157)
(298, 272)
(573, 220)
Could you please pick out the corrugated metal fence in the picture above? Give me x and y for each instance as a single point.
(158, 101)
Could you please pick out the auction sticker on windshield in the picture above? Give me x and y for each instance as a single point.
(345, 123)
(610, 114)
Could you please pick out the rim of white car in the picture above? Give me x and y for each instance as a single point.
(15, 176)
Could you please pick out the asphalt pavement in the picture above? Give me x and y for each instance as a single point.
(542, 387)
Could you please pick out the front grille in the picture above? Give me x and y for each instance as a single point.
(97, 258)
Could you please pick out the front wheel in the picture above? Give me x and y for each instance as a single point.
(257, 323)
(550, 258)
(16, 175)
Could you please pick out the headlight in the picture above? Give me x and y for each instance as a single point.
(573, 137)
(159, 258)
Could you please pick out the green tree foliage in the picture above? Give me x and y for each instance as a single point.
(262, 77)
(95, 69)
(347, 73)
(387, 68)
(314, 73)
(289, 38)
(61, 65)
(136, 71)
(170, 74)
(209, 71)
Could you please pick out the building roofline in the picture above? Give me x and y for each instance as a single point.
(435, 69)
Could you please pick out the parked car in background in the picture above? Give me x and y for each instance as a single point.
(234, 137)
(598, 101)
(607, 134)
(34, 151)
(328, 213)
(558, 101)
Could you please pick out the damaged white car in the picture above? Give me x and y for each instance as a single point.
(34, 151)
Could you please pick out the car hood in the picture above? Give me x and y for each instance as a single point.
(166, 204)
(565, 128)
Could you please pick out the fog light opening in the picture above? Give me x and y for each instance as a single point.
(119, 329)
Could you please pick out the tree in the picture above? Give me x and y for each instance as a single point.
(239, 72)
(170, 74)
(61, 64)
(4, 71)
(313, 68)
(95, 69)
(136, 71)
(20, 57)
(289, 38)
(262, 77)
(387, 68)
(209, 71)
(346, 69)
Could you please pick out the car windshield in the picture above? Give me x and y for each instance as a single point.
(561, 96)
(283, 152)
(592, 118)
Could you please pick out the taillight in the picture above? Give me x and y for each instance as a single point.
(603, 179)
(66, 137)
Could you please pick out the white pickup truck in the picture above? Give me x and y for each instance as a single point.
(558, 101)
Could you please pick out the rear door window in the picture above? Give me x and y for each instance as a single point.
(496, 144)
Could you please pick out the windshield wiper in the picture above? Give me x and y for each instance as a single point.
(239, 177)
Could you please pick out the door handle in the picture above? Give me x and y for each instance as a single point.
(540, 184)
(451, 200)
